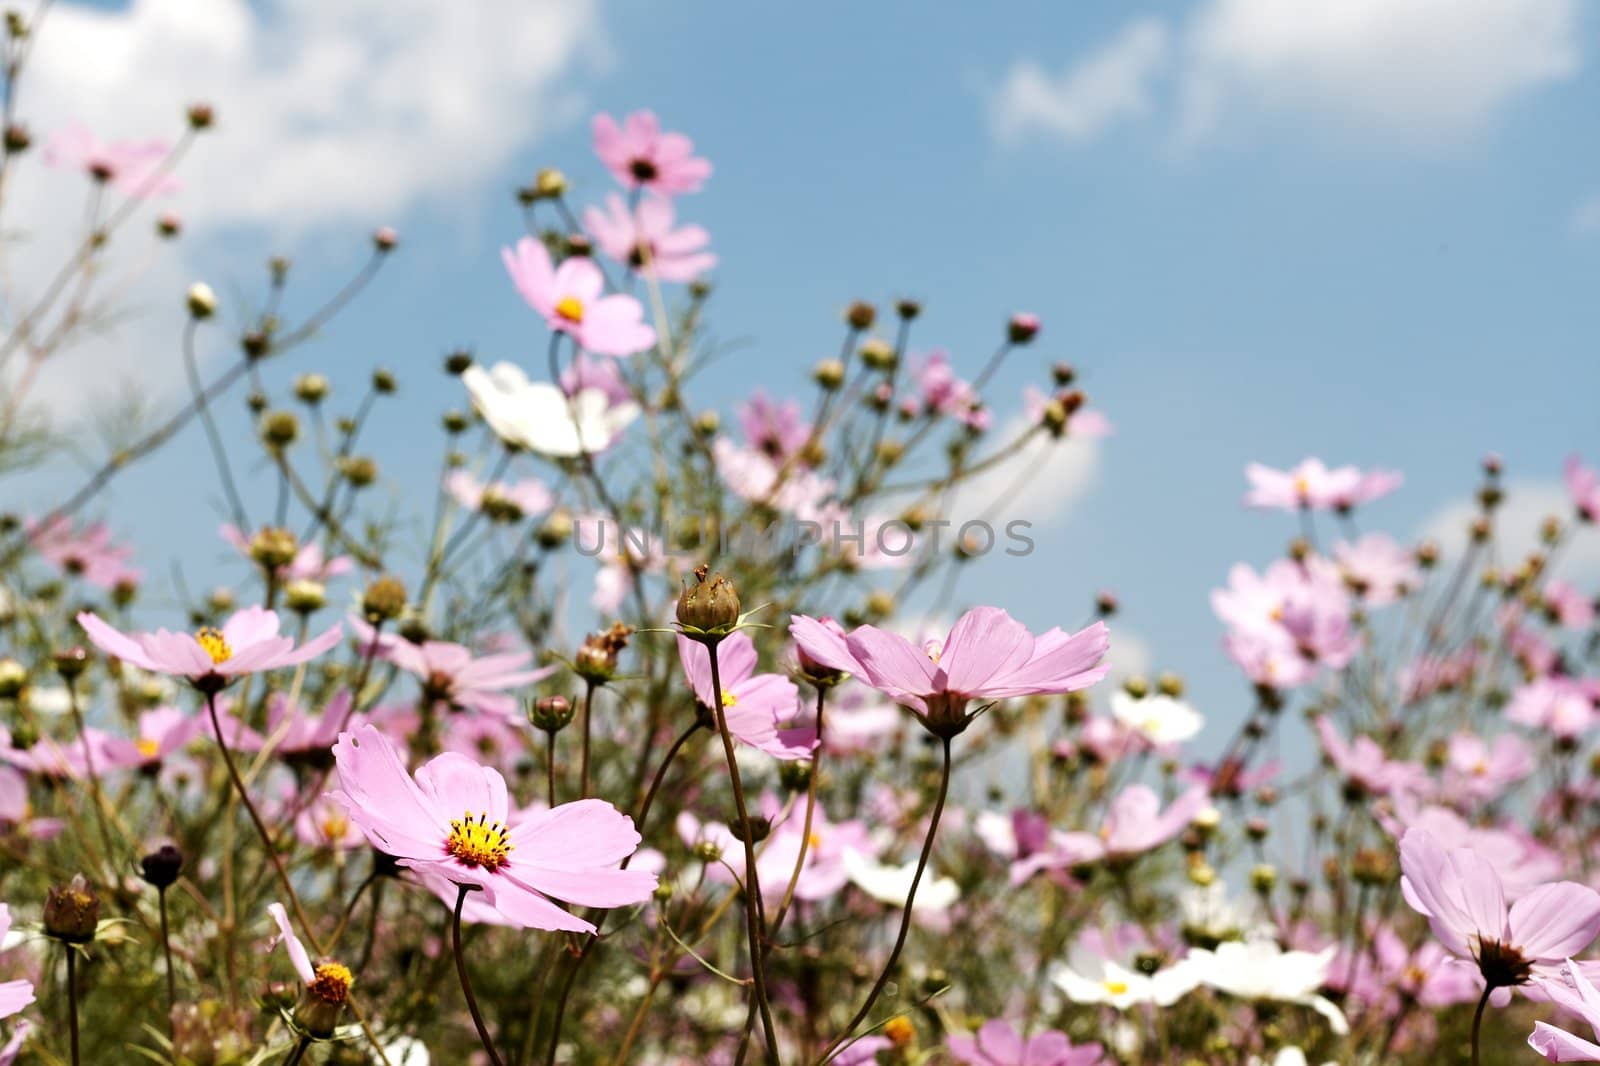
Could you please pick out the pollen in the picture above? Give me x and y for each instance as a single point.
(215, 645)
(570, 308)
(479, 842)
(1116, 988)
(331, 982)
(334, 827)
(148, 748)
(730, 700)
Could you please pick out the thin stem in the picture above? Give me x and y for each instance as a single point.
(655, 782)
(172, 980)
(298, 1053)
(905, 917)
(1477, 1019)
(550, 770)
(752, 888)
(72, 999)
(805, 830)
(583, 758)
(219, 451)
(461, 972)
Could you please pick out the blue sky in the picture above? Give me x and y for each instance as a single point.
(1361, 237)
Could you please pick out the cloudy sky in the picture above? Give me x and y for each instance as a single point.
(1366, 230)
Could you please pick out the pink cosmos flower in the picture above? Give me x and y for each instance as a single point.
(1379, 570)
(1287, 621)
(640, 156)
(824, 873)
(451, 675)
(87, 553)
(1460, 894)
(1563, 706)
(988, 655)
(1427, 975)
(1572, 990)
(942, 392)
(300, 735)
(1022, 838)
(325, 824)
(510, 500)
(1134, 824)
(450, 825)
(211, 659)
(162, 732)
(997, 1043)
(756, 706)
(572, 300)
(1479, 770)
(778, 430)
(130, 166)
(599, 374)
(1584, 486)
(309, 562)
(752, 475)
(1566, 606)
(14, 995)
(1523, 861)
(645, 241)
(1364, 765)
(1313, 486)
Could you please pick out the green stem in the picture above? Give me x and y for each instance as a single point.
(72, 999)
(466, 985)
(1477, 1019)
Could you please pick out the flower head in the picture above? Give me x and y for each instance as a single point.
(571, 299)
(211, 659)
(540, 417)
(641, 156)
(14, 995)
(1573, 991)
(997, 1043)
(757, 707)
(132, 167)
(645, 240)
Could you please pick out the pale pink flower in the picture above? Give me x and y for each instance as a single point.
(778, 430)
(1134, 824)
(1366, 767)
(1523, 861)
(1313, 486)
(1378, 569)
(1566, 606)
(645, 241)
(14, 995)
(1562, 706)
(640, 156)
(247, 643)
(86, 553)
(452, 675)
(450, 825)
(572, 300)
(758, 707)
(132, 167)
(1480, 770)
(1572, 990)
(309, 562)
(162, 731)
(1584, 486)
(510, 500)
(997, 1043)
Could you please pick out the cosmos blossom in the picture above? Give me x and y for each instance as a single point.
(14, 995)
(452, 675)
(988, 655)
(328, 981)
(87, 553)
(502, 500)
(1572, 991)
(309, 563)
(1583, 484)
(247, 643)
(1460, 893)
(778, 430)
(641, 156)
(997, 1043)
(451, 823)
(645, 239)
(131, 167)
(540, 417)
(572, 299)
(756, 706)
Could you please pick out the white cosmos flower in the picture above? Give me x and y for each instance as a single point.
(1159, 719)
(1099, 980)
(1261, 970)
(1289, 1056)
(891, 884)
(538, 416)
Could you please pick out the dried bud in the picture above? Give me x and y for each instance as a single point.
(201, 116)
(279, 429)
(1022, 328)
(383, 382)
(860, 315)
(708, 608)
(71, 662)
(17, 138)
(829, 374)
(13, 678)
(596, 660)
(551, 714)
(907, 309)
(878, 354)
(760, 828)
(202, 301)
(383, 600)
(273, 548)
(311, 388)
(72, 911)
(160, 868)
(457, 362)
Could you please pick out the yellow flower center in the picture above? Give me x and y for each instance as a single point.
(570, 308)
(813, 840)
(214, 644)
(148, 748)
(478, 841)
(1116, 988)
(1302, 487)
(1480, 769)
(730, 700)
(334, 827)
(1151, 725)
(332, 982)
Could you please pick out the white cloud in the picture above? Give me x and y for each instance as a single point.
(330, 116)
(1517, 520)
(1109, 86)
(1586, 218)
(1423, 71)
(1428, 68)
(1038, 484)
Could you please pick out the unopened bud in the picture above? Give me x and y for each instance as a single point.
(13, 678)
(383, 600)
(311, 388)
(359, 470)
(551, 714)
(279, 429)
(201, 116)
(829, 374)
(907, 309)
(1022, 328)
(877, 354)
(860, 315)
(72, 911)
(160, 868)
(273, 548)
(202, 301)
(384, 239)
(457, 362)
(709, 606)
(303, 596)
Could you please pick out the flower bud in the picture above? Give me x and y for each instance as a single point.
(71, 662)
(220, 600)
(201, 116)
(1264, 877)
(273, 548)
(1063, 374)
(794, 776)
(662, 891)
(457, 362)
(1202, 873)
(1169, 684)
(17, 138)
(880, 604)
(311, 388)
(359, 470)
(160, 868)
(551, 714)
(383, 600)
(907, 309)
(555, 530)
(1137, 687)
(708, 607)
(279, 429)
(877, 354)
(707, 851)
(383, 382)
(860, 315)
(303, 595)
(760, 827)
(384, 239)
(596, 660)
(549, 183)
(13, 678)
(1022, 328)
(201, 300)
(72, 911)
(829, 374)
(707, 423)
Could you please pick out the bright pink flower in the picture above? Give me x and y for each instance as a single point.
(1584, 486)
(308, 564)
(450, 825)
(988, 655)
(1378, 569)
(778, 430)
(450, 674)
(1364, 765)
(14, 995)
(87, 553)
(997, 1043)
(1573, 991)
(757, 706)
(640, 156)
(130, 166)
(510, 500)
(1460, 894)
(572, 300)
(645, 241)
(247, 643)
